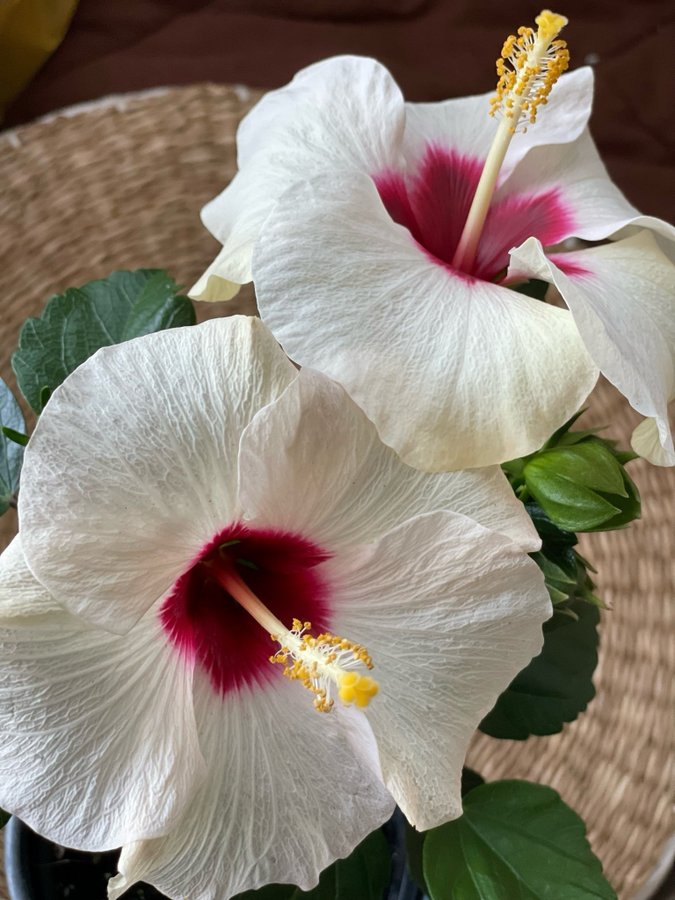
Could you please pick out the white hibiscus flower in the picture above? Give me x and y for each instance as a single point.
(352, 212)
(184, 497)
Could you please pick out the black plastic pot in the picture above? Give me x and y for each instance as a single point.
(36, 869)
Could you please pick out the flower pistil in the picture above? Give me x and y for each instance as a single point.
(530, 64)
(317, 662)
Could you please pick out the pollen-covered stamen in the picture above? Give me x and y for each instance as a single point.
(529, 66)
(318, 663)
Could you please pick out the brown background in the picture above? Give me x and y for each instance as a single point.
(435, 48)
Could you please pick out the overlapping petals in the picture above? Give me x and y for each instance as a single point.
(622, 297)
(319, 136)
(286, 795)
(348, 114)
(222, 788)
(441, 657)
(333, 477)
(352, 254)
(454, 371)
(147, 433)
(99, 745)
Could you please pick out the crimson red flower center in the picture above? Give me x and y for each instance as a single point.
(207, 625)
(433, 201)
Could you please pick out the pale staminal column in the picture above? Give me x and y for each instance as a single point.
(529, 66)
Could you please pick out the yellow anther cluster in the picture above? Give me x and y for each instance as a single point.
(358, 689)
(307, 675)
(316, 661)
(529, 66)
(355, 651)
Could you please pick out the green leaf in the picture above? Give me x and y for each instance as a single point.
(533, 288)
(590, 464)
(4, 818)
(557, 685)
(629, 506)
(17, 437)
(11, 452)
(414, 839)
(579, 480)
(470, 780)
(580, 487)
(45, 394)
(514, 840)
(75, 324)
(157, 306)
(568, 588)
(364, 875)
(565, 571)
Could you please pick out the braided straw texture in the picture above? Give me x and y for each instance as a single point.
(119, 185)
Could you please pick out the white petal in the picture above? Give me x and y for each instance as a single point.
(597, 208)
(622, 297)
(313, 463)
(646, 442)
(345, 112)
(98, 744)
(285, 797)
(450, 612)
(21, 597)
(133, 464)
(211, 286)
(455, 373)
(464, 124)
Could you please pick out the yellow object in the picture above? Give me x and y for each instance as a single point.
(529, 66)
(30, 31)
(357, 688)
(550, 24)
(316, 662)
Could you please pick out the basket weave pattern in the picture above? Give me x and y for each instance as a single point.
(120, 186)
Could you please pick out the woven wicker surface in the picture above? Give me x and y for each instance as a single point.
(120, 186)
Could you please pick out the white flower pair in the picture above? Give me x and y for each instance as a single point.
(189, 494)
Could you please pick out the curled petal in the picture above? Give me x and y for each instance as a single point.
(596, 207)
(235, 260)
(343, 109)
(21, 597)
(441, 661)
(345, 112)
(454, 372)
(464, 125)
(622, 297)
(151, 463)
(99, 744)
(285, 796)
(312, 462)
(646, 442)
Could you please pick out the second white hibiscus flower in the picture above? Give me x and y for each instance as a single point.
(348, 213)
